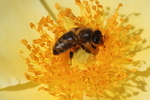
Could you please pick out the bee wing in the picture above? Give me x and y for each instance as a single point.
(69, 39)
(65, 42)
(61, 47)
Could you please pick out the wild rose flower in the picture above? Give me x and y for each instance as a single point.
(133, 77)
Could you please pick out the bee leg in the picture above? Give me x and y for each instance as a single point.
(94, 47)
(84, 48)
(71, 56)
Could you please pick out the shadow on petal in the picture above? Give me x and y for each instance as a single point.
(135, 83)
(48, 9)
(25, 86)
(131, 87)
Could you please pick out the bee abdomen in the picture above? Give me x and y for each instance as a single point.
(61, 47)
(64, 43)
(58, 51)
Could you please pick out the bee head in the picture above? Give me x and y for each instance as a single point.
(97, 37)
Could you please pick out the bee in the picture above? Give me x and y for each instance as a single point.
(85, 37)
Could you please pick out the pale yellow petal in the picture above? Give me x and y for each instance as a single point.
(15, 16)
(26, 91)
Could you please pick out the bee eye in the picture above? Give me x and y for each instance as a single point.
(97, 37)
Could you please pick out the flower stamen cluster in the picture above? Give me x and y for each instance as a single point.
(89, 74)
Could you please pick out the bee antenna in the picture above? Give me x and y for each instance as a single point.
(77, 19)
